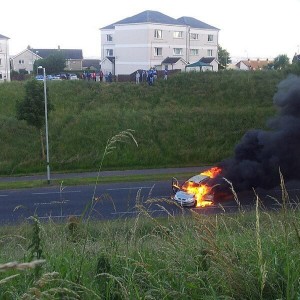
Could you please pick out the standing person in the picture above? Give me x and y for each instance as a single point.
(154, 74)
(166, 74)
(144, 75)
(109, 77)
(137, 77)
(150, 77)
(101, 75)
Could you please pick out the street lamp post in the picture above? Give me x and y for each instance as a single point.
(46, 123)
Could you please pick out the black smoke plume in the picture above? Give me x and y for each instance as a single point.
(262, 154)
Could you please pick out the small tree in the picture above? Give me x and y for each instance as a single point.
(32, 108)
(280, 62)
(223, 57)
(54, 63)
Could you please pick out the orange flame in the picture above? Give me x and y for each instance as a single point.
(202, 192)
(212, 172)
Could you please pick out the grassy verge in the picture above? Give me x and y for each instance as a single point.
(91, 180)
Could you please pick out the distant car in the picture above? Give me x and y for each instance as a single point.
(73, 77)
(56, 77)
(63, 76)
(39, 77)
(49, 77)
(201, 190)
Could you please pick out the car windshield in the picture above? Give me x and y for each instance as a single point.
(194, 182)
(188, 185)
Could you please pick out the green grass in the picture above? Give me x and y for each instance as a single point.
(23, 183)
(191, 119)
(236, 256)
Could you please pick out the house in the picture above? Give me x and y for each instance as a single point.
(149, 38)
(108, 65)
(24, 61)
(4, 59)
(91, 64)
(173, 63)
(212, 62)
(252, 64)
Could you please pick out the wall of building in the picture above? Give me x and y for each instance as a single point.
(24, 61)
(4, 61)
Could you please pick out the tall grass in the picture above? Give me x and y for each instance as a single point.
(227, 256)
(191, 119)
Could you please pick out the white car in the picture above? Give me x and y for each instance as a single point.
(193, 192)
(201, 190)
(73, 77)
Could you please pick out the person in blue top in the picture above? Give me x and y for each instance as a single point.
(150, 77)
(166, 74)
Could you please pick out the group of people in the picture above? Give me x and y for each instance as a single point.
(148, 76)
(99, 76)
(92, 76)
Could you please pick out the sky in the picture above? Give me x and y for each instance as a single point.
(248, 29)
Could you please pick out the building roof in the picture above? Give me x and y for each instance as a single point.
(194, 23)
(254, 64)
(207, 60)
(3, 37)
(91, 63)
(68, 53)
(150, 16)
(171, 60)
(198, 63)
(111, 58)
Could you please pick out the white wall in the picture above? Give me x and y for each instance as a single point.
(4, 58)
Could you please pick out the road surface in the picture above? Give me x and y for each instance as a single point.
(119, 200)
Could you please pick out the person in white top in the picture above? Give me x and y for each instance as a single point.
(137, 77)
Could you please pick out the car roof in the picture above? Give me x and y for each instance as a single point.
(198, 178)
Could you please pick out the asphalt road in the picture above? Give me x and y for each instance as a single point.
(121, 200)
(112, 200)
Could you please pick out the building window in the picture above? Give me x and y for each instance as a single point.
(158, 34)
(210, 38)
(21, 61)
(157, 51)
(209, 52)
(194, 36)
(194, 51)
(109, 52)
(177, 51)
(177, 34)
(109, 38)
(0, 61)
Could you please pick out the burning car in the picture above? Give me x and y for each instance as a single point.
(198, 191)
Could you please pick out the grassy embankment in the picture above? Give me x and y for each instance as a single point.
(192, 119)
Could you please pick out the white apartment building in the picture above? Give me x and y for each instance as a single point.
(4, 59)
(148, 39)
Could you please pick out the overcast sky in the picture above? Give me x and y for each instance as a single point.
(254, 29)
